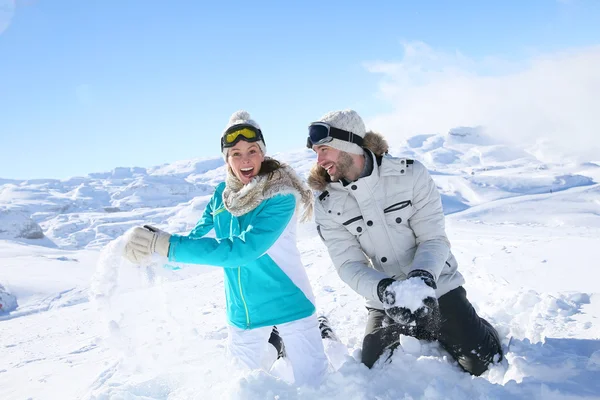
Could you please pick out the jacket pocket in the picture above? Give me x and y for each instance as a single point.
(397, 214)
(355, 225)
(358, 227)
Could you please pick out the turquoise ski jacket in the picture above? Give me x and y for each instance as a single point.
(265, 281)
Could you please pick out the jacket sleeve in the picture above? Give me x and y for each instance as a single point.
(267, 225)
(348, 258)
(205, 224)
(427, 223)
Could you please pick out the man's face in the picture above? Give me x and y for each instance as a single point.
(337, 163)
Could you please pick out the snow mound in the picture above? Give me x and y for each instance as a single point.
(468, 135)
(16, 224)
(442, 156)
(119, 173)
(197, 166)
(501, 154)
(8, 302)
(418, 140)
(157, 191)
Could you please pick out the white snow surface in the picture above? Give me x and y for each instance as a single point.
(86, 324)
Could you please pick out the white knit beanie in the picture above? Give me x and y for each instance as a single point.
(347, 120)
(243, 117)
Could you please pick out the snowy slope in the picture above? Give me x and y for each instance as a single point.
(90, 326)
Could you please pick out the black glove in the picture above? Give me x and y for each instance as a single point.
(426, 276)
(381, 291)
(425, 318)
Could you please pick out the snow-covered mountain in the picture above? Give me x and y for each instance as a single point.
(87, 212)
(525, 233)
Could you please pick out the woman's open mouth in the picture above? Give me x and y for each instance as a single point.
(247, 172)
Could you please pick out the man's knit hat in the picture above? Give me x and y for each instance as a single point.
(347, 120)
(242, 117)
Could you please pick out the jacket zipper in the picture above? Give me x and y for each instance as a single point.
(397, 206)
(242, 295)
(218, 210)
(351, 220)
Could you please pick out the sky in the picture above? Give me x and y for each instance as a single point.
(87, 86)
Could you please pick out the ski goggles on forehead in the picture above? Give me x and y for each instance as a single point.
(246, 132)
(321, 133)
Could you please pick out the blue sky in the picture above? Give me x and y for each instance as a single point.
(86, 86)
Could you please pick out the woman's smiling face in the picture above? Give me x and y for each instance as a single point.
(245, 160)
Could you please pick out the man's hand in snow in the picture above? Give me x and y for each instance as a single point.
(144, 241)
(411, 302)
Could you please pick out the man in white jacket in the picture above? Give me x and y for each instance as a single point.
(382, 221)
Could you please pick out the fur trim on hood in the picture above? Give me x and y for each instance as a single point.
(318, 178)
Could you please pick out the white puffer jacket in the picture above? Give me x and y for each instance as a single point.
(384, 225)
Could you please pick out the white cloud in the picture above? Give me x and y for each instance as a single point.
(552, 98)
(7, 12)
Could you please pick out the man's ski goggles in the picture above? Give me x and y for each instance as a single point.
(239, 132)
(321, 133)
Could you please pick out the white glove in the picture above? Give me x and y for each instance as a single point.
(144, 241)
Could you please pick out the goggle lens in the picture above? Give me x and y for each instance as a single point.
(239, 132)
(232, 137)
(318, 134)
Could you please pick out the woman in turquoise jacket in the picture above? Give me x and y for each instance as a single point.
(254, 217)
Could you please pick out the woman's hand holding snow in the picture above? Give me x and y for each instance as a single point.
(411, 302)
(144, 241)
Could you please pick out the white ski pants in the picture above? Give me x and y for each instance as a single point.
(303, 347)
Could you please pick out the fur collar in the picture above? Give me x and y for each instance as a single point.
(240, 199)
(318, 179)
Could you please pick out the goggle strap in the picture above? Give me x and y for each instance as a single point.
(237, 127)
(336, 133)
(345, 136)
